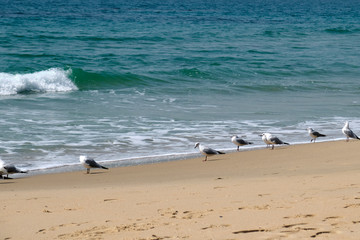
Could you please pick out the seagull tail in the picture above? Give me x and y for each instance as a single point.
(104, 167)
(286, 143)
(322, 135)
(220, 152)
(23, 171)
(251, 143)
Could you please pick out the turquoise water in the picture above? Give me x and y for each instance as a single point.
(147, 79)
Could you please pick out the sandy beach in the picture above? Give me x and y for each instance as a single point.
(293, 192)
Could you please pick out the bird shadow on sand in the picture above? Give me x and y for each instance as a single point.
(7, 182)
(214, 160)
(92, 173)
(278, 148)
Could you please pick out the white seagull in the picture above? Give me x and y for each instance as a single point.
(271, 140)
(263, 137)
(207, 151)
(90, 163)
(9, 169)
(314, 134)
(348, 132)
(239, 142)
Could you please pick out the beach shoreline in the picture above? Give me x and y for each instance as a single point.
(299, 191)
(140, 160)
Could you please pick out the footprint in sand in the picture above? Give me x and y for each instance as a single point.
(354, 205)
(301, 216)
(294, 228)
(250, 231)
(215, 226)
(331, 218)
(320, 233)
(172, 213)
(293, 225)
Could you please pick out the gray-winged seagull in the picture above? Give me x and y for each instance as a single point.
(348, 132)
(90, 163)
(9, 169)
(314, 134)
(239, 142)
(207, 151)
(272, 140)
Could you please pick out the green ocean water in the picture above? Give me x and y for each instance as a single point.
(140, 80)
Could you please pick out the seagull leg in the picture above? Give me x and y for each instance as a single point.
(272, 147)
(238, 148)
(88, 171)
(205, 159)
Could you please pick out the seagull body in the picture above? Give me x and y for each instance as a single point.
(9, 169)
(90, 163)
(314, 134)
(207, 151)
(239, 142)
(272, 140)
(348, 132)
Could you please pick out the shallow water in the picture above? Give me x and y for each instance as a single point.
(126, 81)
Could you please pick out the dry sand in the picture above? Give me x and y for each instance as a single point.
(296, 192)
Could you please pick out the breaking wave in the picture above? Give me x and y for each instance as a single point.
(51, 80)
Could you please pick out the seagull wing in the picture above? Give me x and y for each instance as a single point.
(317, 134)
(92, 163)
(210, 151)
(242, 141)
(11, 169)
(350, 133)
(276, 140)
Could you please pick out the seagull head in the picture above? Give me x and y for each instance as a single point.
(197, 145)
(82, 158)
(346, 124)
(310, 129)
(265, 135)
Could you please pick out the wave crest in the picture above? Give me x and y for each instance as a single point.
(51, 80)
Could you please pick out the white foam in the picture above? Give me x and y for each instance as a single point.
(51, 80)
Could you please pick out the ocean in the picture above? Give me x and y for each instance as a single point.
(131, 82)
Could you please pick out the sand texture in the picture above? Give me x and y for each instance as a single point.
(309, 191)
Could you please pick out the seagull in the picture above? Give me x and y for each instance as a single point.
(348, 133)
(314, 134)
(90, 163)
(9, 169)
(263, 137)
(207, 151)
(271, 140)
(239, 142)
